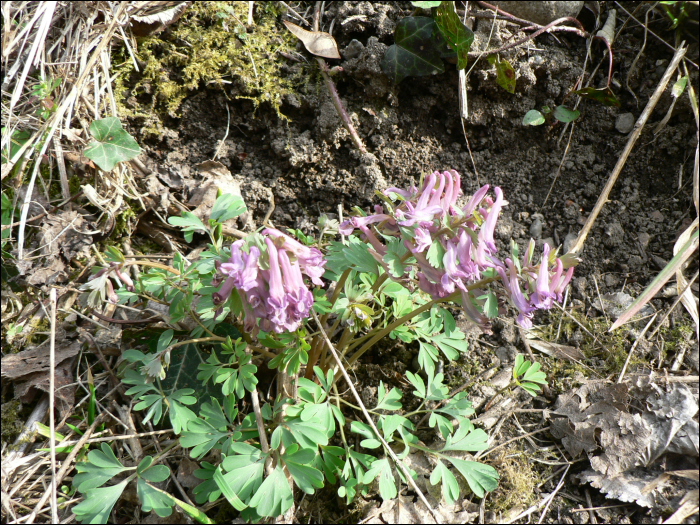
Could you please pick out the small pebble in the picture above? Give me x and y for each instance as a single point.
(624, 123)
(569, 241)
(536, 228)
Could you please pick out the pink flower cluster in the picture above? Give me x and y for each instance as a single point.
(466, 241)
(276, 295)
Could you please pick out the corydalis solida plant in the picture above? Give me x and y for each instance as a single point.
(420, 249)
(454, 248)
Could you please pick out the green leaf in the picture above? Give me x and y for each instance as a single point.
(244, 471)
(679, 87)
(155, 474)
(491, 305)
(387, 485)
(565, 115)
(444, 425)
(604, 95)
(308, 434)
(394, 251)
(435, 254)
(416, 49)
(450, 487)
(533, 118)
(227, 491)
(388, 400)
(481, 478)
(458, 36)
(451, 345)
(505, 74)
(227, 207)
(152, 499)
(426, 5)
(98, 503)
(189, 222)
(274, 497)
(341, 257)
(306, 477)
(467, 438)
(101, 466)
(112, 144)
(201, 437)
(417, 381)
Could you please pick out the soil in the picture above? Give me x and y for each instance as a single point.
(551, 176)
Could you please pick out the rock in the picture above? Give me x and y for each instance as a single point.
(353, 49)
(541, 12)
(536, 228)
(624, 123)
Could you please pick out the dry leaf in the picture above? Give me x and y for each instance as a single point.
(317, 43)
(216, 177)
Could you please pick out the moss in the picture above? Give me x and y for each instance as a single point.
(517, 484)
(209, 45)
(11, 422)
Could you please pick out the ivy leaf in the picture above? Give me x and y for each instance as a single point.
(481, 478)
(98, 503)
(388, 400)
(101, 466)
(152, 499)
(112, 144)
(505, 74)
(450, 487)
(227, 207)
(274, 497)
(387, 485)
(458, 36)
(416, 49)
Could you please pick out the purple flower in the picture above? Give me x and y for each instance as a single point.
(475, 200)
(243, 267)
(542, 298)
(347, 227)
(378, 246)
(276, 303)
(558, 290)
(487, 229)
(422, 238)
(452, 272)
(466, 265)
(311, 260)
(516, 296)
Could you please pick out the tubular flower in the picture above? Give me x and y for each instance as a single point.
(452, 246)
(311, 260)
(542, 298)
(276, 298)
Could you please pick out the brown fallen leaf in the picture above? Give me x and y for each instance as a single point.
(30, 371)
(317, 43)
